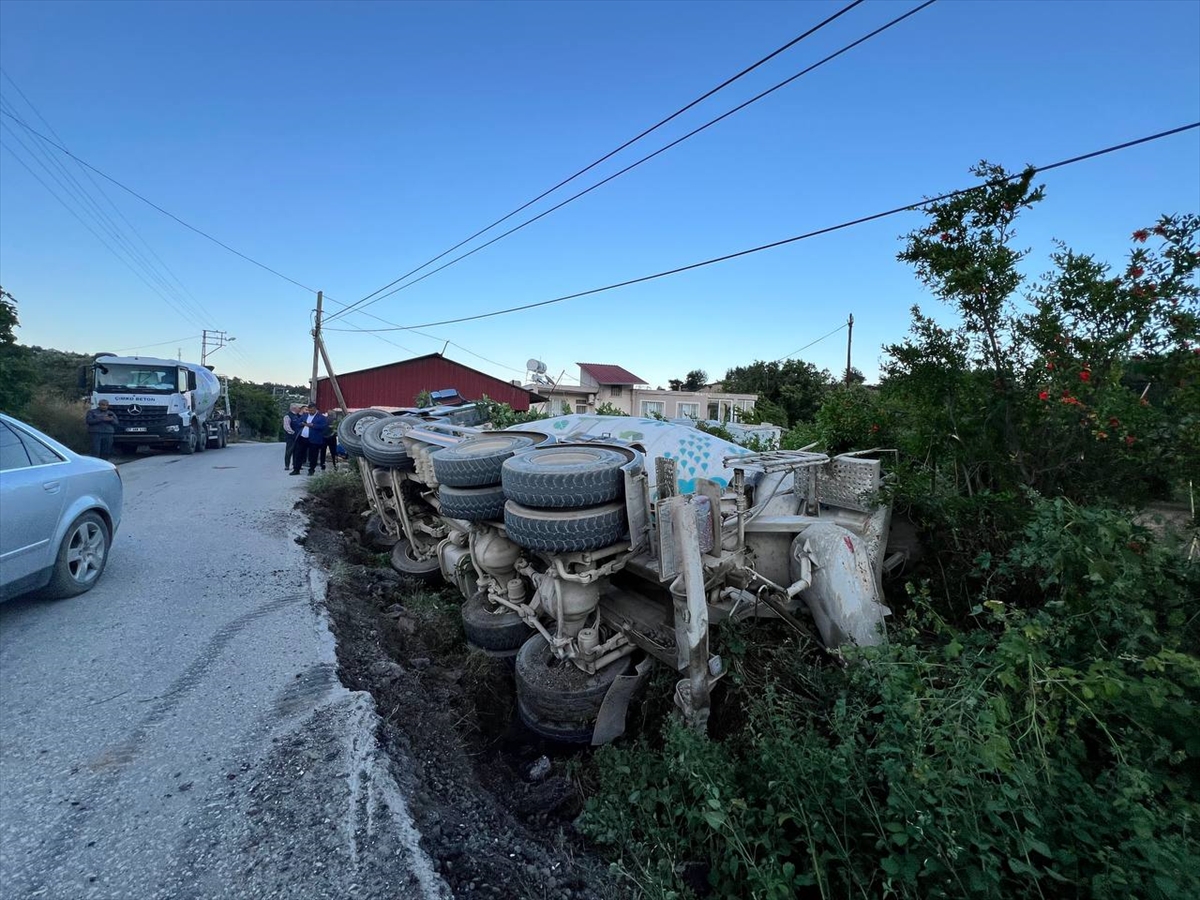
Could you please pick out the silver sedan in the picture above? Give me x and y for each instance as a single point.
(59, 512)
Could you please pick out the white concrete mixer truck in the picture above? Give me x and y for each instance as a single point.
(161, 402)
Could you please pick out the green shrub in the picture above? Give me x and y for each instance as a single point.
(1049, 752)
(61, 419)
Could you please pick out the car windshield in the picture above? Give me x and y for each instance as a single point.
(146, 379)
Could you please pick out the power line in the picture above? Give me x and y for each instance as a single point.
(154, 205)
(811, 343)
(659, 151)
(801, 237)
(88, 205)
(196, 304)
(96, 234)
(614, 152)
(190, 337)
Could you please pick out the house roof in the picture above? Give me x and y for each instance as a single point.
(416, 361)
(607, 374)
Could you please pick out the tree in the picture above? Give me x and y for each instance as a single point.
(1029, 388)
(16, 376)
(254, 408)
(794, 386)
(696, 380)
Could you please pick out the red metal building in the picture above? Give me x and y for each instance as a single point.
(398, 384)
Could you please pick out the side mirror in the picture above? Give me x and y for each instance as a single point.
(191, 380)
(82, 378)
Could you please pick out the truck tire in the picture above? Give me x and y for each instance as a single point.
(554, 698)
(376, 536)
(382, 445)
(403, 561)
(81, 557)
(564, 530)
(352, 427)
(480, 504)
(201, 437)
(564, 477)
(476, 462)
(187, 442)
(498, 633)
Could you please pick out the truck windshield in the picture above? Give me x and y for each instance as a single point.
(147, 379)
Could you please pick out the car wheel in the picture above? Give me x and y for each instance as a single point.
(557, 700)
(404, 562)
(564, 477)
(480, 504)
(476, 462)
(497, 633)
(564, 530)
(81, 557)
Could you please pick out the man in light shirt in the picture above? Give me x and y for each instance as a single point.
(289, 434)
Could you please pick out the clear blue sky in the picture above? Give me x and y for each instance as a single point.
(344, 144)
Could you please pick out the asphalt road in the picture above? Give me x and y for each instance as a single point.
(179, 732)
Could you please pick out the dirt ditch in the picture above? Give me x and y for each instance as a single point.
(495, 804)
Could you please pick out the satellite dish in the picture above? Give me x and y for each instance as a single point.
(536, 365)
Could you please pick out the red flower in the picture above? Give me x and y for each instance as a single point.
(1113, 421)
(1102, 435)
(1140, 235)
(1044, 395)
(945, 236)
(1085, 375)
(1129, 440)
(1050, 366)
(1138, 292)
(874, 428)
(1070, 401)
(1160, 231)
(1136, 271)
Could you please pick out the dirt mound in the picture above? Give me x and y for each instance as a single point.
(493, 804)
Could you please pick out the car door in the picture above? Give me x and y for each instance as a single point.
(32, 491)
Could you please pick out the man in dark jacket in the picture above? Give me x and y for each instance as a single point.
(291, 418)
(309, 441)
(101, 423)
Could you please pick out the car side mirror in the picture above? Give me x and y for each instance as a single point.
(191, 381)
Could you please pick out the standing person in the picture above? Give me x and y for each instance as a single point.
(311, 438)
(331, 438)
(289, 434)
(101, 423)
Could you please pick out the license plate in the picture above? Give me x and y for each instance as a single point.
(135, 429)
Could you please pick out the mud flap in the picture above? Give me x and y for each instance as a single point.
(610, 723)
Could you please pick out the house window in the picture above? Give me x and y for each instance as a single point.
(714, 410)
(652, 408)
(581, 407)
(691, 410)
(615, 391)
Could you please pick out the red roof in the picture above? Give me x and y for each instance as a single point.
(398, 384)
(606, 374)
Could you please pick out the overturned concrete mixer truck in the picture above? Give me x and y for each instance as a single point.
(588, 548)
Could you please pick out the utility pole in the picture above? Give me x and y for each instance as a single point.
(849, 340)
(312, 393)
(212, 341)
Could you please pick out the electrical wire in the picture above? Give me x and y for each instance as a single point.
(195, 303)
(190, 337)
(88, 205)
(811, 343)
(661, 150)
(801, 237)
(628, 143)
(152, 204)
(182, 312)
